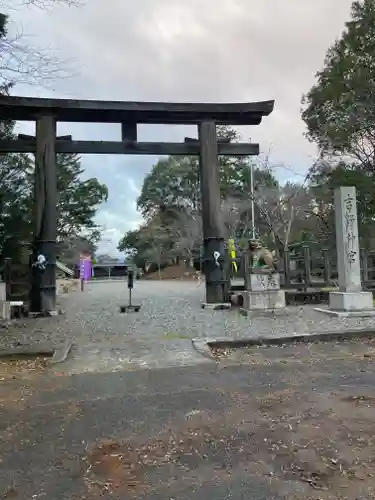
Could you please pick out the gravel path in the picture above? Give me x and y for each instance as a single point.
(170, 311)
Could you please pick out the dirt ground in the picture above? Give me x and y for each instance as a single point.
(326, 439)
(287, 422)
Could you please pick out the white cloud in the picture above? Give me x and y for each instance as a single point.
(201, 50)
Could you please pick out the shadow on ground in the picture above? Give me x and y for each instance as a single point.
(267, 423)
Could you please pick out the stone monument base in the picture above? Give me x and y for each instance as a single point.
(350, 304)
(217, 306)
(7, 308)
(263, 280)
(270, 299)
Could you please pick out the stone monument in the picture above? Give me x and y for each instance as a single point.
(262, 281)
(350, 299)
(4, 305)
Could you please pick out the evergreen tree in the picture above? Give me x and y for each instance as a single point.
(340, 108)
(78, 199)
(14, 189)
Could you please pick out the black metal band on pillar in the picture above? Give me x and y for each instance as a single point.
(43, 261)
(214, 251)
(214, 261)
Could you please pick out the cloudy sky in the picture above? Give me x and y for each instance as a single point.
(179, 50)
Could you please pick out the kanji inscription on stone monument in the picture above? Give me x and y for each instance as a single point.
(347, 240)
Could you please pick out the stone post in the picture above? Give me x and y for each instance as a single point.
(349, 299)
(3, 301)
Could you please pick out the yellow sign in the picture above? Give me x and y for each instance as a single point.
(232, 251)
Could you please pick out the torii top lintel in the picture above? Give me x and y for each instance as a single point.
(71, 110)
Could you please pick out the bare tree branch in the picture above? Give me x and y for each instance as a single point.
(22, 63)
(279, 207)
(188, 234)
(20, 60)
(40, 4)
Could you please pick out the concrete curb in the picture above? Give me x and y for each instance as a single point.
(347, 314)
(61, 354)
(23, 351)
(202, 345)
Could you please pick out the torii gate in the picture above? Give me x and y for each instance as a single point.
(47, 112)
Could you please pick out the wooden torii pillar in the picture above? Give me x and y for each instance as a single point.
(213, 230)
(43, 280)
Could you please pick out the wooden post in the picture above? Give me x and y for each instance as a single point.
(327, 268)
(228, 272)
(213, 231)
(307, 265)
(128, 131)
(246, 270)
(8, 277)
(43, 286)
(286, 257)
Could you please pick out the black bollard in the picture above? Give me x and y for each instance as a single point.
(130, 280)
(130, 307)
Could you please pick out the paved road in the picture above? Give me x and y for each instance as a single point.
(284, 424)
(159, 335)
